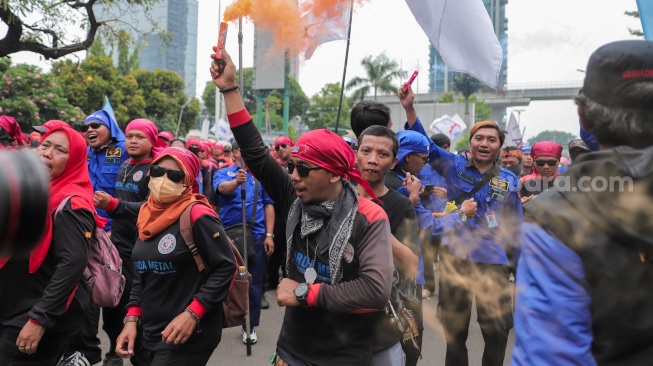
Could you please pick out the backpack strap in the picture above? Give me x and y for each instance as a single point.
(186, 229)
(61, 206)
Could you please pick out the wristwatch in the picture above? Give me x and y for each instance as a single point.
(135, 319)
(270, 235)
(463, 215)
(301, 291)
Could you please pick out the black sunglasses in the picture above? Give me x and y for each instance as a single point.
(282, 146)
(176, 176)
(552, 162)
(425, 159)
(302, 170)
(93, 125)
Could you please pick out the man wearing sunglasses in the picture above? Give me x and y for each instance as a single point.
(282, 147)
(339, 257)
(546, 156)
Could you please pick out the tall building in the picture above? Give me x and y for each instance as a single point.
(440, 75)
(180, 19)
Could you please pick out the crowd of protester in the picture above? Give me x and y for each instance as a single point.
(353, 235)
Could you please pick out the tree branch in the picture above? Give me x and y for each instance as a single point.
(12, 43)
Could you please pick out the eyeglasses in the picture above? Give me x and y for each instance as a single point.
(302, 170)
(93, 125)
(551, 162)
(425, 158)
(282, 146)
(176, 176)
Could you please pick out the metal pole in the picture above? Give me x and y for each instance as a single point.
(344, 71)
(242, 186)
(240, 56)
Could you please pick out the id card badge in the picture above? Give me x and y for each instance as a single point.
(491, 219)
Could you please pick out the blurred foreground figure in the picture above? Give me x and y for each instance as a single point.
(585, 276)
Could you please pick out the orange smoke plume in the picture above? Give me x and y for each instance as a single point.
(283, 18)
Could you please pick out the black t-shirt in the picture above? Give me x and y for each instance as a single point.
(395, 178)
(131, 191)
(403, 225)
(168, 280)
(44, 295)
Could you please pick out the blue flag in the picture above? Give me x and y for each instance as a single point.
(645, 8)
(107, 107)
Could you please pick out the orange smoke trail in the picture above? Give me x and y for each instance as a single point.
(283, 18)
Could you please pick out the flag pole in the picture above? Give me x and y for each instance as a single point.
(344, 71)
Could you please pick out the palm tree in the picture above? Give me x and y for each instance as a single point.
(380, 71)
(466, 85)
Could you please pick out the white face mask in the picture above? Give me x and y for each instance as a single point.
(164, 190)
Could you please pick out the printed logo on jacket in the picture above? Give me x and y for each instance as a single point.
(167, 244)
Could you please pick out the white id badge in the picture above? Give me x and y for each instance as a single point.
(491, 219)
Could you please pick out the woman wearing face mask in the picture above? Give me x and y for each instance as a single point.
(43, 296)
(170, 298)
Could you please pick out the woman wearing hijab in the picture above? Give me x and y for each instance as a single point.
(43, 295)
(179, 308)
(10, 133)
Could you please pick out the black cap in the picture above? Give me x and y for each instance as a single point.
(234, 146)
(580, 144)
(40, 129)
(613, 67)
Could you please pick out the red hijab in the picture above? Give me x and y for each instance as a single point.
(10, 125)
(331, 153)
(73, 181)
(155, 216)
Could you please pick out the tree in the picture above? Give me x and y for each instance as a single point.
(324, 109)
(634, 32)
(127, 63)
(86, 84)
(44, 26)
(380, 71)
(466, 85)
(483, 112)
(32, 97)
(560, 137)
(463, 143)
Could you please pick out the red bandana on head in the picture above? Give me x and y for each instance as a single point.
(10, 125)
(149, 129)
(73, 181)
(331, 153)
(546, 148)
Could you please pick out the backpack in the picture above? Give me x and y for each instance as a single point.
(235, 306)
(103, 273)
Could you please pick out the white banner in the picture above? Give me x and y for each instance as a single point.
(450, 126)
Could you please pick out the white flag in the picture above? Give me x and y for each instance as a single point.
(323, 30)
(462, 32)
(224, 132)
(514, 137)
(450, 126)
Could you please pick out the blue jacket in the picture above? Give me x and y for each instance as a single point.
(479, 242)
(552, 310)
(231, 205)
(104, 165)
(428, 175)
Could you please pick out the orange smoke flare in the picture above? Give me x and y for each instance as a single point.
(283, 18)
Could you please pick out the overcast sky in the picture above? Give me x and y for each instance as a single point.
(548, 42)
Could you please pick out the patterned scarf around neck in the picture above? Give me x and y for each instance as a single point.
(311, 219)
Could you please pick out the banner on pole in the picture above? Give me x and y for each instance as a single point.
(514, 137)
(462, 32)
(326, 30)
(452, 127)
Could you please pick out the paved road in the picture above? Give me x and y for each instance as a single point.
(231, 350)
